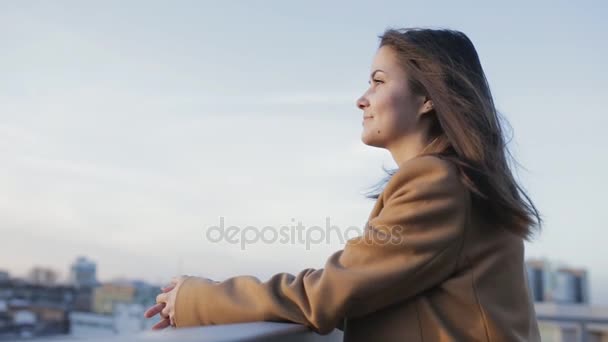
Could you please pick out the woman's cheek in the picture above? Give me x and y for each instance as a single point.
(373, 133)
(366, 134)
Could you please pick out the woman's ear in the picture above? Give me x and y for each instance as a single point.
(427, 106)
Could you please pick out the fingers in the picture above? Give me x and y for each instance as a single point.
(162, 298)
(165, 313)
(160, 307)
(172, 283)
(168, 288)
(154, 310)
(176, 280)
(161, 325)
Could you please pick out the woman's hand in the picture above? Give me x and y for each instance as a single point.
(166, 304)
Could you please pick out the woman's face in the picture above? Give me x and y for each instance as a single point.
(390, 110)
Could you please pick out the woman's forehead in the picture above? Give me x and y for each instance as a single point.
(385, 61)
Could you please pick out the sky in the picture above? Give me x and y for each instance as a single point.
(128, 129)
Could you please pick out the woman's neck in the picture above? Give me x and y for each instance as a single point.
(407, 148)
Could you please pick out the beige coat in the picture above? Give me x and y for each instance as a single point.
(425, 269)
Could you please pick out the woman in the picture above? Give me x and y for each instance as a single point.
(442, 255)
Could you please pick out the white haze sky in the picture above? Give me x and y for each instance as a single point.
(129, 127)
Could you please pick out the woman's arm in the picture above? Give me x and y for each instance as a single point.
(411, 246)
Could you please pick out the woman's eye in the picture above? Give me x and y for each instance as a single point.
(377, 81)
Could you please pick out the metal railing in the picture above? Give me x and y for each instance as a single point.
(250, 332)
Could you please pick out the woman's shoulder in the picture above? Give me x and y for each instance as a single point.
(430, 172)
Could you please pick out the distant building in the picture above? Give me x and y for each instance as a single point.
(107, 296)
(551, 283)
(562, 304)
(4, 276)
(572, 322)
(125, 319)
(42, 276)
(5, 318)
(34, 309)
(145, 294)
(83, 273)
(539, 280)
(571, 286)
(83, 299)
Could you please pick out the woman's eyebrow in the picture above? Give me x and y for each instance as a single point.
(374, 73)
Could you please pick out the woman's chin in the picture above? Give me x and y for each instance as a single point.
(369, 140)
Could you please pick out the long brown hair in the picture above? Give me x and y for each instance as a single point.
(443, 65)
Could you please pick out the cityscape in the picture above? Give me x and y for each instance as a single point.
(43, 305)
(80, 306)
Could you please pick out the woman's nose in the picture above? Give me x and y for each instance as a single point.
(362, 102)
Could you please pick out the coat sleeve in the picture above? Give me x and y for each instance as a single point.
(412, 245)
